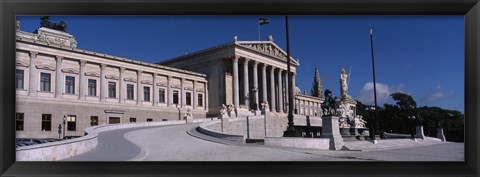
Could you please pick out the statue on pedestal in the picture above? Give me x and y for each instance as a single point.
(359, 122)
(343, 84)
(265, 105)
(329, 105)
(188, 114)
(223, 111)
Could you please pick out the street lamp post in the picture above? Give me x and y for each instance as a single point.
(64, 122)
(372, 134)
(374, 82)
(291, 132)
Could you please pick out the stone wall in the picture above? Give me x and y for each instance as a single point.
(34, 108)
(276, 125)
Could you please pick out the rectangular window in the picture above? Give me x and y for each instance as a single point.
(133, 119)
(46, 122)
(149, 119)
(175, 97)
(129, 91)
(112, 88)
(70, 84)
(71, 123)
(114, 120)
(45, 82)
(161, 95)
(93, 120)
(92, 87)
(188, 98)
(19, 79)
(200, 99)
(19, 121)
(146, 93)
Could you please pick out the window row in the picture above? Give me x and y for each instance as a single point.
(70, 120)
(46, 119)
(45, 86)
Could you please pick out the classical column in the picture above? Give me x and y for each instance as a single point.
(272, 90)
(246, 92)
(293, 87)
(81, 84)
(32, 90)
(139, 94)
(155, 90)
(103, 84)
(304, 108)
(280, 91)
(264, 82)
(205, 95)
(255, 84)
(169, 91)
(182, 95)
(235, 82)
(287, 95)
(194, 96)
(121, 94)
(58, 77)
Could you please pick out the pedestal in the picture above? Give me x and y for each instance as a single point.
(225, 121)
(331, 130)
(440, 134)
(419, 132)
(188, 119)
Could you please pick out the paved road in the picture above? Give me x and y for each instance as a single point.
(173, 143)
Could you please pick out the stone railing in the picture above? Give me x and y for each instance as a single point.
(68, 148)
(205, 129)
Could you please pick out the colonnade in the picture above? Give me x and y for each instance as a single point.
(308, 105)
(278, 100)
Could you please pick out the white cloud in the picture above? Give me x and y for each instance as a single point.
(383, 93)
(438, 95)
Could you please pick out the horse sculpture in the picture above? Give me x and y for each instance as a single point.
(329, 106)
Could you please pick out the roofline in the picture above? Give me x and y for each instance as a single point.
(295, 61)
(197, 52)
(273, 43)
(107, 56)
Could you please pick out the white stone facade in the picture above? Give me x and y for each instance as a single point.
(243, 74)
(55, 79)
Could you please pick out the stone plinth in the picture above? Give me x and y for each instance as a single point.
(331, 130)
(188, 119)
(298, 142)
(419, 132)
(440, 134)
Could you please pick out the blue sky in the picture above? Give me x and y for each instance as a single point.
(419, 55)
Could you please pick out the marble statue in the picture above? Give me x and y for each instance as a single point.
(265, 105)
(223, 110)
(343, 84)
(188, 114)
(359, 122)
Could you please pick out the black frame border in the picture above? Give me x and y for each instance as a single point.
(9, 9)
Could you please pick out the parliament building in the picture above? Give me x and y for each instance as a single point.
(59, 86)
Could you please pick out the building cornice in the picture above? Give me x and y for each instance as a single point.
(106, 56)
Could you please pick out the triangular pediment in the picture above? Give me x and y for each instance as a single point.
(268, 48)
